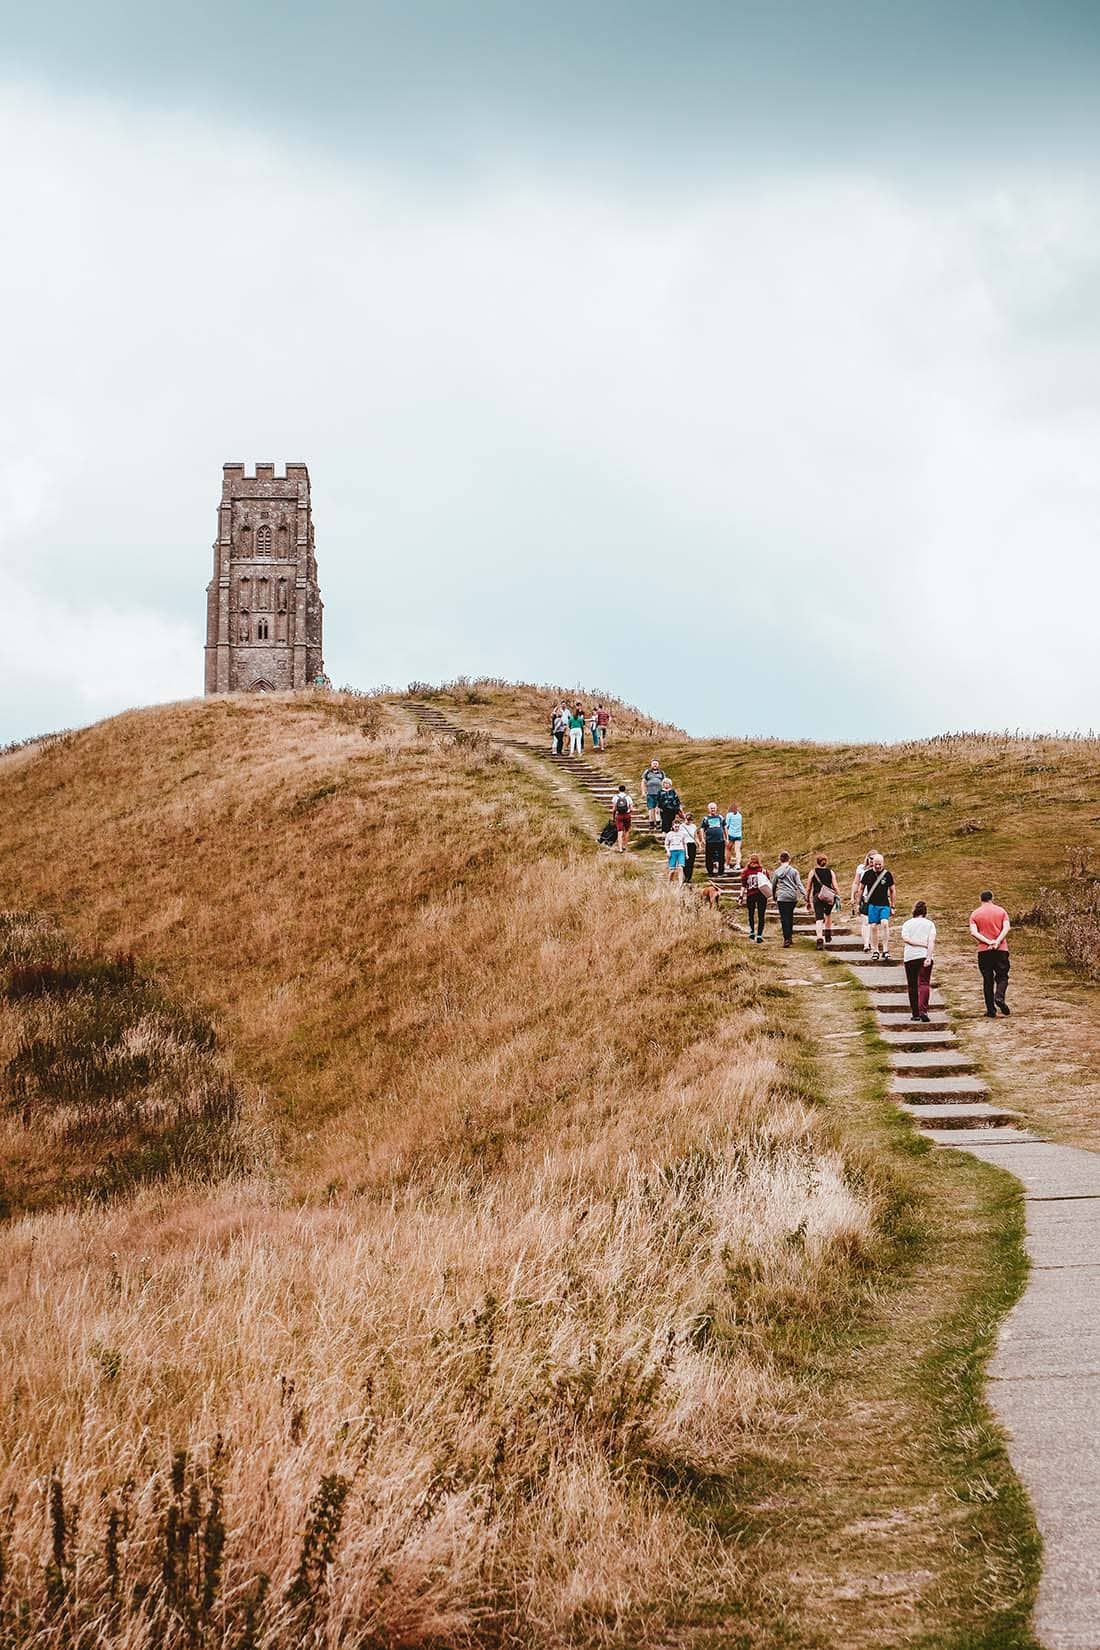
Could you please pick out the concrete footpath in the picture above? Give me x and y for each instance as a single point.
(1044, 1379)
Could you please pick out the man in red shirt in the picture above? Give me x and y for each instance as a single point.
(989, 925)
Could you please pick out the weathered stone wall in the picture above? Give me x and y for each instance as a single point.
(264, 609)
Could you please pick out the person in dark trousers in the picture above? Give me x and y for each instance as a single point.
(692, 846)
(669, 803)
(822, 898)
(989, 925)
(755, 889)
(787, 890)
(714, 840)
(918, 937)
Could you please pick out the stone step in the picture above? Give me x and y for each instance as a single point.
(994, 1135)
(916, 1062)
(938, 1020)
(930, 1089)
(880, 976)
(975, 1116)
(896, 1003)
(919, 1036)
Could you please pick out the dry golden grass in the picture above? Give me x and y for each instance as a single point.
(480, 1356)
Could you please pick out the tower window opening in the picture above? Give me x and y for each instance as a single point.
(261, 630)
(263, 541)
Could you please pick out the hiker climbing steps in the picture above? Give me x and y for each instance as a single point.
(932, 1079)
(1044, 1386)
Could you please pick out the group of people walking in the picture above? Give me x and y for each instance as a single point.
(873, 892)
(572, 722)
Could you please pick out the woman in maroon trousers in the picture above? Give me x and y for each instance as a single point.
(918, 936)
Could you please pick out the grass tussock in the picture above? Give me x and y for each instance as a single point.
(106, 1083)
(1071, 913)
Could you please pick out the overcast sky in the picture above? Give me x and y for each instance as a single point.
(741, 359)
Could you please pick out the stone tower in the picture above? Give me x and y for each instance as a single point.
(263, 605)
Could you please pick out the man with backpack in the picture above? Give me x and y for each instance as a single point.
(787, 889)
(989, 925)
(714, 840)
(669, 803)
(652, 781)
(880, 893)
(622, 808)
(602, 719)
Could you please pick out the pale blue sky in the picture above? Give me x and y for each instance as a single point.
(741, 359)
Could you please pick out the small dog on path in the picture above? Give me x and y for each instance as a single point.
(711, 894)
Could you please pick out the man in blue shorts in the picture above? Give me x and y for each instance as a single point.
(734, 832)
(880, 892)
(676, 843)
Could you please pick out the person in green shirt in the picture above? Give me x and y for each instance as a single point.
(576, 731)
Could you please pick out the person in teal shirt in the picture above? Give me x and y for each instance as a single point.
(734, 833)
(576, 730)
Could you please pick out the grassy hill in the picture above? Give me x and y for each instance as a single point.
(954, 815)
(538, 1277)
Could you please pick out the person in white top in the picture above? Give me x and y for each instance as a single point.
(676, 845)
(918, 936)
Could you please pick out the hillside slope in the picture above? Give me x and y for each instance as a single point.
(552, 1278)
(953, 815)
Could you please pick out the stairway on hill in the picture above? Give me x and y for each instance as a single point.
(1045, 1374)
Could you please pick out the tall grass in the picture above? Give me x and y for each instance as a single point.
(500, 1349)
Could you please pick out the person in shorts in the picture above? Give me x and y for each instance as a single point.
(622, 811)
(735, 830)
(880, 892)
(989, 925)
(602, 719)
(652, 781)
(676, 843)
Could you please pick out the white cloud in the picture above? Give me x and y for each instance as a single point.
(807, 455)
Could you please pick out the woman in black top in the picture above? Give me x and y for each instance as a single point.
(821, 895)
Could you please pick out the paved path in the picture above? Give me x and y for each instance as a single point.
(1044, 1379)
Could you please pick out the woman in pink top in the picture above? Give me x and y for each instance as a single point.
(989, 925)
